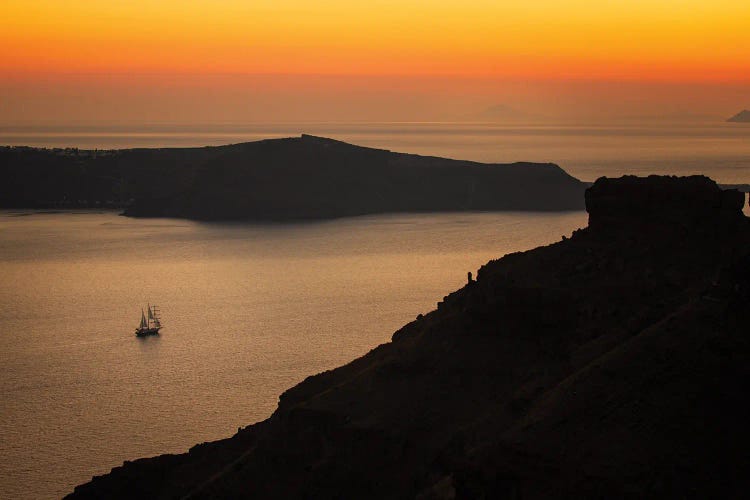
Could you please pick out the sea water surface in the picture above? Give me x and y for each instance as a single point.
(249, 311)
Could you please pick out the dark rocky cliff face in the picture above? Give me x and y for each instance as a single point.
(655, 200)
(613, 363)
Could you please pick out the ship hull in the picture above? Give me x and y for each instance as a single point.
(145, 332)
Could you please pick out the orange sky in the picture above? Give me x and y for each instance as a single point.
(116, 42)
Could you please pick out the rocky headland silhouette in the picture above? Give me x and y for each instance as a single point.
(613, 363)
(296, 178)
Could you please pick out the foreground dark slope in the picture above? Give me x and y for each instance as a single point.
(611, 363)
(278, 179)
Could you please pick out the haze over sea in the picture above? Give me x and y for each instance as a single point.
(720, 150)
(250, 310)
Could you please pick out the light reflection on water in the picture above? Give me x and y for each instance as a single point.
(249, 310)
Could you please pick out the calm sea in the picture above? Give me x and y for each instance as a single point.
(720, 150)
(250, 310)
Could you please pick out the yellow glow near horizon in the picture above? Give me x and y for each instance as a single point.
(635, 39)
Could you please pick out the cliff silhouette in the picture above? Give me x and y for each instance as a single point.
(610, 364)
(297, 178)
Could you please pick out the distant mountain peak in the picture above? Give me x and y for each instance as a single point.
(741, 117)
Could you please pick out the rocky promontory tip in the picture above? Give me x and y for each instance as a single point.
(612, 363)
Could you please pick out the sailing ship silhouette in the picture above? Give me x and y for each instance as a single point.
(150, 324)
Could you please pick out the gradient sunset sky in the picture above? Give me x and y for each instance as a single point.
(230, 60)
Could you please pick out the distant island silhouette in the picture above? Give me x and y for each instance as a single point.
(741, 117)
(612, 364)
(288, 179)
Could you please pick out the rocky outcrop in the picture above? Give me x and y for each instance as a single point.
(610, 364)
(657, 200)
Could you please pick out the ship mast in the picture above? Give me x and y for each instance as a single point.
(155, 317)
